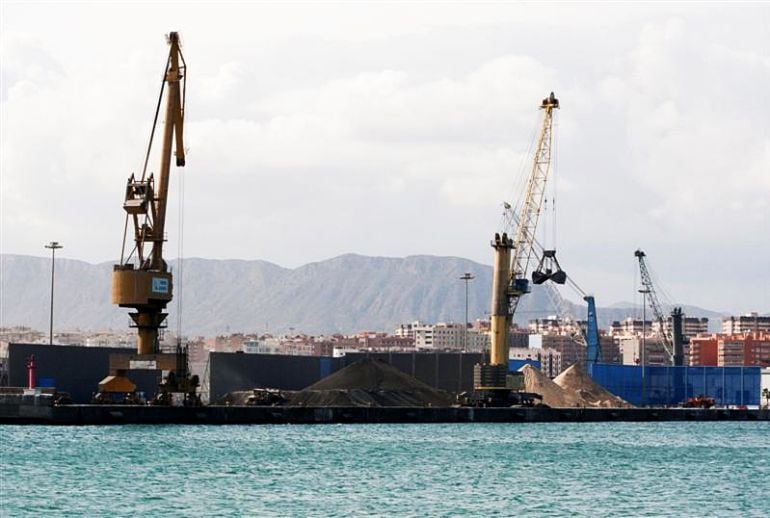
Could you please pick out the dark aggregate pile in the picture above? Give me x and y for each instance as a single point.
(371, 383)
(236, 397)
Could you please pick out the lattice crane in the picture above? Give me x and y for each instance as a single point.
(672, 341)
(513, 257)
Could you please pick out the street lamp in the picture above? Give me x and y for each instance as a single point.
(53, 246)
(643, 354)
(467, 277)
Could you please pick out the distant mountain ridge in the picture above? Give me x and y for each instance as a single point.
(347, 294)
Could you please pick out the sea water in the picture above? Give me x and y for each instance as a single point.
(597, 469)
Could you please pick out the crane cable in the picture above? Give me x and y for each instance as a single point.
(147, 156)
(554, 177)
(518, 185)
(180, 229)
(155, 120)
(510, 218)
(180, 259)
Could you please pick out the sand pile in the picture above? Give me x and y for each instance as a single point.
(370, 383)
(553, 395)
(576, 380)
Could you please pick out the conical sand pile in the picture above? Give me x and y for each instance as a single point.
(553, 395)
(370, 383)
(576, 380)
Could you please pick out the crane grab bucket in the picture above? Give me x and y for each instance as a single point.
(549, 269)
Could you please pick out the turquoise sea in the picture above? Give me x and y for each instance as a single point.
(602, 469)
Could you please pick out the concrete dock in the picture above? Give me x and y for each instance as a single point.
(219, 415)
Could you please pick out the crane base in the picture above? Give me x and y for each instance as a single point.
(487, 398)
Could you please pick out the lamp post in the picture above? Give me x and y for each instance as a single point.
(643, 354)
(466, 277)
(53, 246)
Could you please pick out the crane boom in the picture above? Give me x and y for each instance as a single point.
(530, 211)
(172, 134)
(654, 302)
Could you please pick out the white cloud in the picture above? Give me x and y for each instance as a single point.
(395, 130)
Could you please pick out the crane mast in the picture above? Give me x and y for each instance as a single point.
(142, 280)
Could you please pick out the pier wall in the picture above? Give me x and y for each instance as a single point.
(73, 369)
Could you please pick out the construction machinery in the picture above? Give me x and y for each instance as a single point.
(673, 341)
(491, 380)
(143, 281)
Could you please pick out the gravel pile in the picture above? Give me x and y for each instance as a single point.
(553, 395)
(370, 383)
(577, 381)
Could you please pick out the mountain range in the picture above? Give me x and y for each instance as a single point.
(346, 294)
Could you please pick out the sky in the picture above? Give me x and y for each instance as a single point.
(395, 129)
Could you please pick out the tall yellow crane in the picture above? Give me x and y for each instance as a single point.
(512, 262)
(142, 280)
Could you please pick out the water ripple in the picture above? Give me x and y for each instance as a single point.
(600, 469)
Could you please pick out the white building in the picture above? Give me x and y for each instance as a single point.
(745, 324)
(553, 325)
(407, 330)
(691, 326)
(262, 346)
(550, 359)
(442, 336)
(631, 351)
(340, 351)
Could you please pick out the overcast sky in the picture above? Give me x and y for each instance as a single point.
(317, 129)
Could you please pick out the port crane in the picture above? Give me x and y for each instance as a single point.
(491, 381)
(672, 339)
(142, 281)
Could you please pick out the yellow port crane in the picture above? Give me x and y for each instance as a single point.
(142, 281)
(511, 267)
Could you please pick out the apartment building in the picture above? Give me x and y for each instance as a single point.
(550, 359)
(703, 350)
(749, 323)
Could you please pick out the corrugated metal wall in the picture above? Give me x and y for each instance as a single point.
(73, 369)
(446, 371)
(657, 385)
(230, 372)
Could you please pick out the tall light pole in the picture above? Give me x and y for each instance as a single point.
(643, 354)
(467, 278)
(53, 246)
